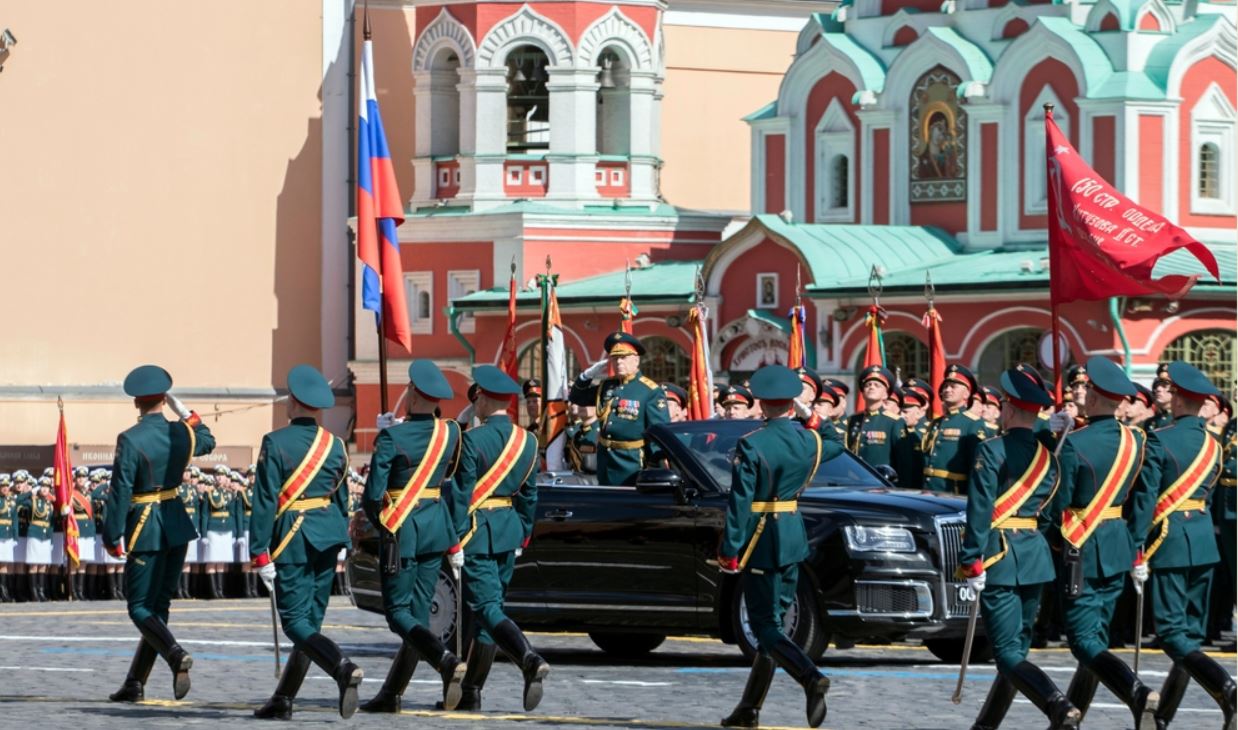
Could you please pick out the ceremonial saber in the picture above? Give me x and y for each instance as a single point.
(274, 630)
(1138, 623)
(459, 610)
(957, 697)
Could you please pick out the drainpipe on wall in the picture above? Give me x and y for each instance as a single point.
(1115, 314)
(453, 325)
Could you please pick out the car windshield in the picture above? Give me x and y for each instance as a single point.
(712, 445)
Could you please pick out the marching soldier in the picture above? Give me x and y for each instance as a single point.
(1005, 557)
(146, 523)
(1183, 463)
(1100, 470)
(8, 539)
(298, 526)
(949, 446)
(764, 538)
(873, 435)
(735, 401)
(627, 406)
(1162, 394)
(492, 502)
(412, 463)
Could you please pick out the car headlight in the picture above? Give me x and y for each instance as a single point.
(864, 539)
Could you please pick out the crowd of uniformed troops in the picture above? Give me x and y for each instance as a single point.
(1093, 496)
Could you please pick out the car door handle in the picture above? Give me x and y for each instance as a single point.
(559, 515)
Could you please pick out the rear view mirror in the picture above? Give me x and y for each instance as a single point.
(659, 481)
(886, 472)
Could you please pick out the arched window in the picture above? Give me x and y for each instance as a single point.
(664, 361)
(444, 102)
(1212, 351)
(1009, 349)
(906, 356)
(528, 100)
(1209, 171)
(835, 145)
(614, 109)
(839, 182)
(423, 305)
(529, 363)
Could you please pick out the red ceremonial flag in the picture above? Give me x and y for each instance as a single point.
(701, 377)
(507, 353)
(63, 480)
(1101, 244)
(795, 346)
(937, 356)
(627, 313)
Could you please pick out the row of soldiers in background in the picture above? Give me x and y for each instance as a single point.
(218, 501)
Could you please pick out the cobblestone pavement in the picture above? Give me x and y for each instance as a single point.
(59, 662)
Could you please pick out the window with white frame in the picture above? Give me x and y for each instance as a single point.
(515, 175)
(1035, 194)
(834, 171)
(419, 295)
(461, 284)
(1212, 154)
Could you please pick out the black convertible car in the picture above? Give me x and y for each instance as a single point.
(631, 564)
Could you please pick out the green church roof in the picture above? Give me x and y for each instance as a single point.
(1096, 65)
(667, 281)
(1164, 52)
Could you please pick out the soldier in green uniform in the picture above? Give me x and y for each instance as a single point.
(38, 510)
(627, 405)
(1225, 509)
(1103, 512)
(217, 528)
(806, 412)
(873, 435)
(411, 465)
(83, 515)
(492, 502)
(110, 566)
(583, 435)
(187, 492)
(147, 523)
(242, 512)
(1162, 394)
(916, 400)
(735, 401)
(676, 402)
(8, 539)
(992, 412)
(532, 391)
(299, 524)
(1182, 465)
(764, 539)
(1005, 557)
(950, 443)
(828, 407)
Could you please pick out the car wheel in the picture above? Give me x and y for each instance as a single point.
(443, 609)
(802, 623)
(950, 651)
(627, 646)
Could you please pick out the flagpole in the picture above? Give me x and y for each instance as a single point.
(366, 35)
(1053, 311)
(544, 415)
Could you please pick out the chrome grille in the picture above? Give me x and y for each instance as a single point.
(886, 598)
(950, 537)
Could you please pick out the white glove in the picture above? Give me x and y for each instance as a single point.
(456, 559)
(1139, 574)
(802, 410)
(1060, 421)
(387, 420)
(466, 415)
(267, 574)
(519, 552)
(177, 407)
(975, 585)
(597, 369)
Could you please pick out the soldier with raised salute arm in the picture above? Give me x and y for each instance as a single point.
(1182, 466)
(492, 502)
(298, 525)
(411, 465)
(146, 522)
(1005, 557)
(764, 538)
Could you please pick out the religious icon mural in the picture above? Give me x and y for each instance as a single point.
(938, 139)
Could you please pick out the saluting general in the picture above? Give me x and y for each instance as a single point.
(1005, 557)
(298, 526)
(146, 522)
(1183, 464)
(492, 502)
(412, 462)
(764, 538)
(628, 405)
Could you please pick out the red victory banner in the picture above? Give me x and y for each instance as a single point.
(62, 478)
(508, 362)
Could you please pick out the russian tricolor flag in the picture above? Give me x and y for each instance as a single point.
(379, 211)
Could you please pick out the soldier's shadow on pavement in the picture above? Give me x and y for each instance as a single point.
(140, 712)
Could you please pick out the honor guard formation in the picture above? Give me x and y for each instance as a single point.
(1072, 508)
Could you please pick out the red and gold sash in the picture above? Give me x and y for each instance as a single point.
(1078, 526)
(305, 472)
(1016, 495)
(81, 501)
(1192, 478)
(398, 509)
(501, 468)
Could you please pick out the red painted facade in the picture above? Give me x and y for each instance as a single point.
(833, 86)
(775, 173)
(1061, 79)
(1104, 142)
(1151, 161)
(989, 184)
(881, 176)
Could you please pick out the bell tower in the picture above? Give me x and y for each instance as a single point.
(554, 100)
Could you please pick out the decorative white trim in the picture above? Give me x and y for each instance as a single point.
(459, 283)
(416, 282)
(1213, 122)
(919, 22)
(1035, 194)
(1011, 11)
(615, 28)
(524, 26)
(1157, 9)
(444, 30)
(1220, 42)
(1101, 9)
(761, 130)
(834, 136)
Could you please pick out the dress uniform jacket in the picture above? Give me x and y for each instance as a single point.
(501, 530)
(150, 459)
(398, 451)
(909, 459)
(583, 446)
(83, 513)
(38, 515)
(1160, 419)
(218, 508)
(1224, 509)
(324, 526)
(8, 517)
(875, 437)
(1188, 540)
(949, 450)
(626, 408)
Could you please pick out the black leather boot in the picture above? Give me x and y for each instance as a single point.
(36, 588)
(1171, 695)
(117, 582)
(5, 597)
(450, 669)
(251, 584)
(793, 659)
(347, 675)
(217, 585)
(1122, 682)
(1037, 687)
(79, 586)
(481, 657)
(1082, 689)
(748, 712)
(512, 642)
(156, 633)
(402, 667)
(1216, 682)
(134, 688)
(279, 707)
(996, 704)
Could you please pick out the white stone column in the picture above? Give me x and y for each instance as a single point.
(483, 136)
(645, 134)
(423, 166)
(573, 134)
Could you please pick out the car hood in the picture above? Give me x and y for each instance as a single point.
(883, 504)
